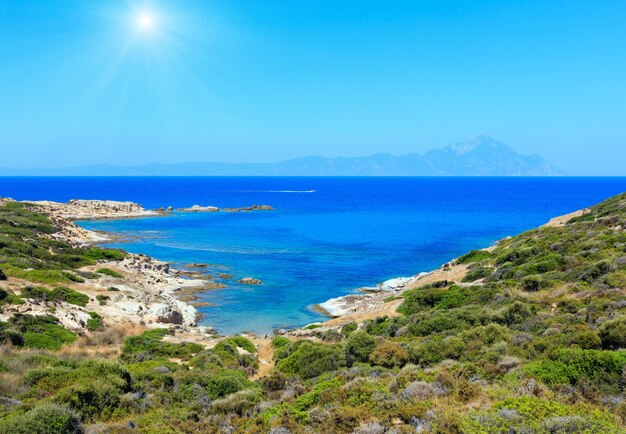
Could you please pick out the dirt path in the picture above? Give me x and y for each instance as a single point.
(266, 357)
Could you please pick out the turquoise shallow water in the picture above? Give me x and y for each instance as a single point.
(327, 237)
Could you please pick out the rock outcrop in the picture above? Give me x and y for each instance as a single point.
(250, 208)
(166, 314)
(144, 294)
(200, 208)
(250, 281)
(77, 209)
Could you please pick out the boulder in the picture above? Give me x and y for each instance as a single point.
(166, 314)
(250, 281)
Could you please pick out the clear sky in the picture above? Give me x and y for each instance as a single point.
(128, 82)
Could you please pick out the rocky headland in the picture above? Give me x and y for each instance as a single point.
(137, 290)
(77, 209)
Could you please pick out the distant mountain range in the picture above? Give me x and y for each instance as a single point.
(478, 156)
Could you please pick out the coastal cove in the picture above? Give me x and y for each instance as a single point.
(326, 237)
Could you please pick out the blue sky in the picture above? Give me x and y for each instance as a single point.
(239, 80)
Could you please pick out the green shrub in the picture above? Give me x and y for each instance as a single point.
(616, 279)
(436, 349)
(149, 345)
(420, 298)
(514, 314)
(96, 390)
(279, 342)
(227, 353)
(97, 253)
(308, 400)
(8, 297)
(587, 340)
(571, 366)
(43, 419)
(240, 403)
(477, 273)
(311, 359)
(532, 283)
(60, 293)
(473, 256)
(206, 361)
(42, 332)
(94, 322)
(389, 355)
(44, 276)
(451, 320)
(93, 398)
(532, 414)
(359, 347)
(349, 328)
(87, 274)
(109, 272)
(69, 296)
(455, 296)
(217, 385)
(613, 333)
(102, 299)
(242, 342)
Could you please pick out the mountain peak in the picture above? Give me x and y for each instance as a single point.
(475, 142)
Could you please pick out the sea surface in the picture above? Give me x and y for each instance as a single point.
(327, 236)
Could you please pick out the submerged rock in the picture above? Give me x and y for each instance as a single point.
(250, 208)
(199, 208)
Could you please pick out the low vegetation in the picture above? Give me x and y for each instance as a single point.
(532, 340)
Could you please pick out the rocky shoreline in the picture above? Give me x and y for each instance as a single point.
(384, 298)
(375, 300)
(148, 292)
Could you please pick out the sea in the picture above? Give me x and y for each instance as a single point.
(327, 237)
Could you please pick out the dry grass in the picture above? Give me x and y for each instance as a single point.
(9, 384)
(102, 344)
(562, 220)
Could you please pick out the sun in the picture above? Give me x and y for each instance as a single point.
(145, 21)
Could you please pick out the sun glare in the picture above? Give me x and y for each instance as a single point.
(146, 21)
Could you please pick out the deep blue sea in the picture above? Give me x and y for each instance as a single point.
(327, 237)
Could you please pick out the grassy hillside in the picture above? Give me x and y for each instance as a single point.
(532, 340)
